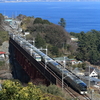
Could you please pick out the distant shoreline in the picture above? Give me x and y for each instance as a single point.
(51, 1)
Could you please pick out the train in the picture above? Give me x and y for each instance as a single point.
(70, 78)
(26, 46)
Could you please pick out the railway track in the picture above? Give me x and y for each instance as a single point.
(86, 97)
(66, 88)
(76, 95)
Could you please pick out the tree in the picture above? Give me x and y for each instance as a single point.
(1, 19)
(88, 46)
(54, 50)
(39, 41)
(3, 36)
(45, 22)
(13, 90)
(38, 21)
(51, 89)
(21, 17)
(62, 22)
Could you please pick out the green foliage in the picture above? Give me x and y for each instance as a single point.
(41, 21)
(39, 41)
(71, 56)
(55, 35)
(1, 18)
(3, 36)
(26, 22)
(54, 51)
(50, 34)
(29, 37)
(13, 90)
(62, 22)
(38, 21)
(83, 66)
(89, 46)
(46, 22)
(2, 63)
(51, 89)
(21, 17)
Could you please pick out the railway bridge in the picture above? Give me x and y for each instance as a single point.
(25, 68)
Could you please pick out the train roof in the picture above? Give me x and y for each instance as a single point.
(57, 65)
(83, 84)
(54, 63)
(48, 59)
(40, 53)
(78, 81)
(65, 71)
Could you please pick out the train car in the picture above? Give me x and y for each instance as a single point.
(36, 56)
(70, 79)
(29, 48)
(76, 83)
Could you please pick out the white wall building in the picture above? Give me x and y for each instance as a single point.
(91, 72)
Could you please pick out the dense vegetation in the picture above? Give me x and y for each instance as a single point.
(88, 46)
(13, 90)
(2, 65)
(48, 34)
(1, 19)
(3, 34)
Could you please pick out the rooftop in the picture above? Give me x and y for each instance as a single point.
(2, 52)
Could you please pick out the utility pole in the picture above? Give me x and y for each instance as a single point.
(89, 77)
(63, 74)
(46, 54)
(32, 41)
(92, 94)
(31, 51)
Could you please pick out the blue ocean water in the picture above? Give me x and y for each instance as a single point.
(79, 16)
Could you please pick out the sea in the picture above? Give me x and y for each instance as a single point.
(79, 16)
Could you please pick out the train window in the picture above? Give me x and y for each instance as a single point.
(38, 57)
(83, 86)
(78, 81)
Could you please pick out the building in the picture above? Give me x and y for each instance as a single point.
(90, 81)
(74, 62)
(91, 72)
(67, 60)
(2, 54)
(26, 33)
(74, 39)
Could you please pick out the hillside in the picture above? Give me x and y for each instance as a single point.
(54, 36)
